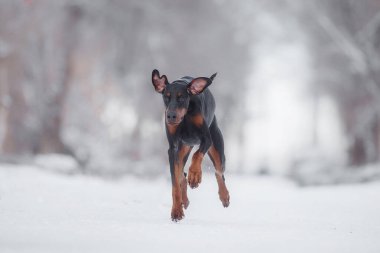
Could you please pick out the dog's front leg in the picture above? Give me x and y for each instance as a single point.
(176, 176)
(195, 170)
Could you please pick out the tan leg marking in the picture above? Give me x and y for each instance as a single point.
(195, 171)
(224, 195)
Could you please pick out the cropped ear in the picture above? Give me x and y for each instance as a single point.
(159, 82)
(199, 84)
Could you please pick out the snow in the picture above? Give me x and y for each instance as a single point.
(56, 162)
(45, 212)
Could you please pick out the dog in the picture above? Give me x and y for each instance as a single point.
(190, 121)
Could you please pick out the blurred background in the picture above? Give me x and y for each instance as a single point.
(297, 91)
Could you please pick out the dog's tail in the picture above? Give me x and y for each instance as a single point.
(213, 76)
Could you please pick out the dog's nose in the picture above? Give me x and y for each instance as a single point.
(172, 116)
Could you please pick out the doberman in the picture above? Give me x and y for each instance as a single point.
(190, 121)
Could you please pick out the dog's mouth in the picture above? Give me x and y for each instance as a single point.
(174, 123)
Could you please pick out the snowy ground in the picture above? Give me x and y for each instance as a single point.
(45, 212)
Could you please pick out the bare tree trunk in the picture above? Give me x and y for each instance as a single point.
(18, 137)
(376, 139)
(31, 129)
(357, 152)
(50, 132)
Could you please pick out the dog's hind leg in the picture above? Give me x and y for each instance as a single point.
(216, 153)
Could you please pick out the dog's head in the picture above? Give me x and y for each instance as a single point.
(177, 94)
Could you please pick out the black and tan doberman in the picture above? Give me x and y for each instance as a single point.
(190, 121)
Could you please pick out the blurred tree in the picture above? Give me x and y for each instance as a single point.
(75, 75)
(78, 72)
(41, 59)
(343, 39)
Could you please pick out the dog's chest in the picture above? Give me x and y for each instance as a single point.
(190, 137)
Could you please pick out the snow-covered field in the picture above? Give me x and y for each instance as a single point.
(46, 212)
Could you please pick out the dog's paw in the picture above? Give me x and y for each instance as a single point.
(177, 214)
(224, 196)
(194, 178)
